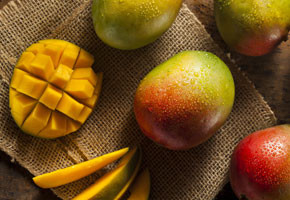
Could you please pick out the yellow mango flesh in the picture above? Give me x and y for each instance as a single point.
(115, 183)
(141, 187)
(78, 171)
(53, 89)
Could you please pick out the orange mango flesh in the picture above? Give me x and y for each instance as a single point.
(140, 189)
(78, 171)
(53, 89)
(115, 183)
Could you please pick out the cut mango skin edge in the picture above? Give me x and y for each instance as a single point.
(140, 189)
(53, 89)
(78, 171)
(116, 182)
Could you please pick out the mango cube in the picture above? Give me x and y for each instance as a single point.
(54, 51)
(37, 119)
(42, 66)
(81, 89)
(31, 86)
(86, 74)
(56, 126)
(25, 60)
(69, 106)
(61, 76)
(36, 48)
(17, 77)
(84, 114)
(22, 106)
(85, 60)
(50, 97)
(69, 55)
(12, 94)
(72, 126)
(53, 89)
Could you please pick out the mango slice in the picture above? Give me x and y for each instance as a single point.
(78, 171)
(141, 186)
(53, 89)
(115, 183)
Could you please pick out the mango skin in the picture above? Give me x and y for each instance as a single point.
(260, 165)
(253, 27)
(184, 101)
(127, 24)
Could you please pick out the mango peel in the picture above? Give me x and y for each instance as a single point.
(53, 89)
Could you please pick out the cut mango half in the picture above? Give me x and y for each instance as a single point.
(140, 189)
(78, 171)
(53, 89)
(116, 182)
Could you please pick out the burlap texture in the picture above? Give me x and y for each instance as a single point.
(195, 174)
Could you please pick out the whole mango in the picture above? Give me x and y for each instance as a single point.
(127, 24)
(253, 27)
(184, 101)
(260, 165)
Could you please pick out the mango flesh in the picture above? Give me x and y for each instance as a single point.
(77, 171)
(253, 27)
(184, 101)
(116, 182)
(260, 165)
(53, 89)
(127, 24)
(141, 187)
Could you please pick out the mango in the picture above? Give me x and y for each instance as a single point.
(260, 165)
(116, 182)
(253, 27)
(127, 24)
(53, 89)
(77, 171)
(141, 187)
(182, 102)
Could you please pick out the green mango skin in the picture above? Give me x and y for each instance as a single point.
(260, 165)
(253, 27)
(131, 24)
(184, 101)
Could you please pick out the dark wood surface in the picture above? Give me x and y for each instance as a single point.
(270, 74)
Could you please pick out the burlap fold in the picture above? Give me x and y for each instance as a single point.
(195, 174)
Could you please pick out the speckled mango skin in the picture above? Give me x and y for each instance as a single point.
(260, 165)
(184, 101)
(253, 27)
(128, 24)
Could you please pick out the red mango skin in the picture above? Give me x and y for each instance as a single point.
(260, 165)
(184, 101)
(253, 27)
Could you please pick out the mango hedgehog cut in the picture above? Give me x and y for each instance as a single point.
(53, 89)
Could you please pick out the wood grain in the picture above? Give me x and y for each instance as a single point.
(270, 74)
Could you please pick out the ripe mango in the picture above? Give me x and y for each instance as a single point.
(53, 89)
(184, 101)
(253, 27)
(128, 24)
(260, 165)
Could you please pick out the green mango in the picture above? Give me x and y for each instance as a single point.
(253, 27)
(184, 101)
(131, 24)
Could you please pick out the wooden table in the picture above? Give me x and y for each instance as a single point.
(270, 74)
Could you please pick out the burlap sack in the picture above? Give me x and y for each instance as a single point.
(195, 174)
